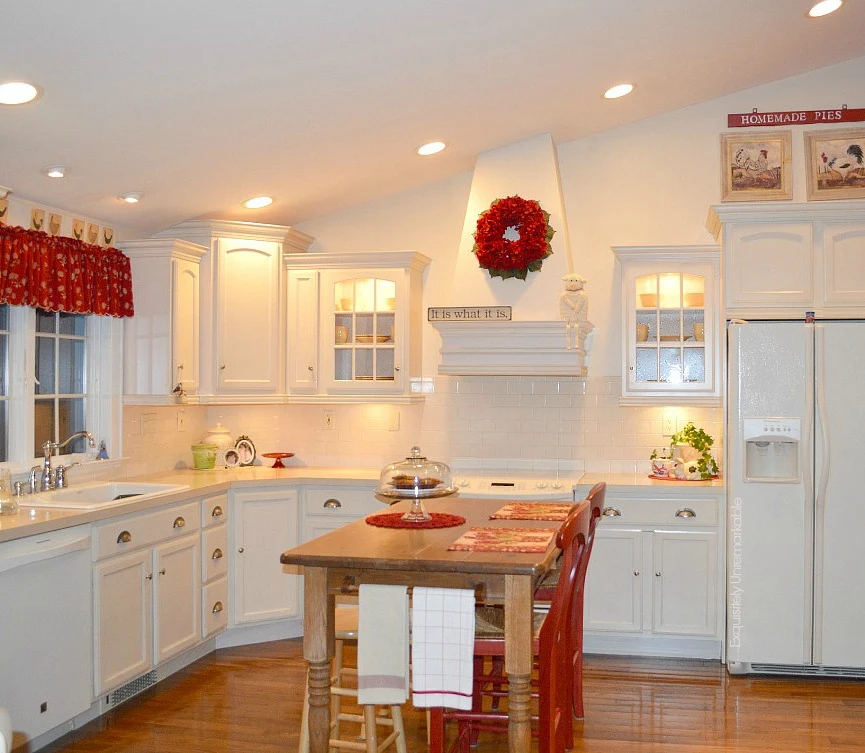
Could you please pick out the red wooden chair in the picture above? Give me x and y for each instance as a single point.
(552, 647)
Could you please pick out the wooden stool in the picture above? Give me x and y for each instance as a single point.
(345, 629)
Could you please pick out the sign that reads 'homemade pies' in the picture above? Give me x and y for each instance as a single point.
(469, 314)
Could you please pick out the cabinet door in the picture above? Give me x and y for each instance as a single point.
(303, 337)
(843, 264)
(265, 525)
(768, 265)
(185, 324)
(177, 586)
(248, 322)
(614, 596)
(685, 576)
(362, 331)
(122, 598)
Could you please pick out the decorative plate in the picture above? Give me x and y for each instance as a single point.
(245, 450)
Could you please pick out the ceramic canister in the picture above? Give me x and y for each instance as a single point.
(221, 437)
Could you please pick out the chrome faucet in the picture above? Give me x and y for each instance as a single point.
(56, 476)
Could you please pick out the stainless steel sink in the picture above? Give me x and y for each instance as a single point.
(97, 496)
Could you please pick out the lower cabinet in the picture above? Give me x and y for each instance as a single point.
(146, 601)
(326, 508)
(654, 583)
(265, 524)
(214, 564)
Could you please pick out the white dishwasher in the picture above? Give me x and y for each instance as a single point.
(46, 648)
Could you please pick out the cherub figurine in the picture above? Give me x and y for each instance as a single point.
(574, 310)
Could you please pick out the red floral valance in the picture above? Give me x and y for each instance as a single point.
(63, 274)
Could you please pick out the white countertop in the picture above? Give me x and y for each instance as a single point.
(30, 521)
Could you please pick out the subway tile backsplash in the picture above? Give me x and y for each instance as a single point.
(517, 423)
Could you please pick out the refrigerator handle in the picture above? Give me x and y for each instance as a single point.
(822, 416)
(807, 461)
(820, 493)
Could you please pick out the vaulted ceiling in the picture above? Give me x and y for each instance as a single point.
(201, 104)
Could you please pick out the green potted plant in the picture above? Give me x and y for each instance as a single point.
(690, 450)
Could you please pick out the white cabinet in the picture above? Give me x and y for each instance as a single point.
(214, 564)
(242, 307)
(670, 332)
(146, 588)
(161, 342)
(354, 325)
(779, 262)
(265, 524)
(655, 579)
(326, 508)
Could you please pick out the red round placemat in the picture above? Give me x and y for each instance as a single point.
(394, 520)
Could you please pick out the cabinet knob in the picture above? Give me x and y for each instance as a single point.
(636, 572)
(240, 550)
(149, 576)
(396, 368)
(222, 367)
(687, 512)
(124, 538)
(332, 504)
(162, 571)
(217, 608)
(217, 554)
(657, 573)
(311, 368)
(180, 366)
(612, 512)
(179, 522)
(631, 368)
(217, 512)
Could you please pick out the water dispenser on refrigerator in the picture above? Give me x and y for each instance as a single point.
(772, 449)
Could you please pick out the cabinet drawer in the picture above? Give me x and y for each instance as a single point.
(214, 553)
(214, 607)
(683, 511)
(351, 502)
(126, 534)
(214, 510)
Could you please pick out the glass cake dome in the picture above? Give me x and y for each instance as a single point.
(416, 477)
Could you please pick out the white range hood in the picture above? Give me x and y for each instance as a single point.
(508, 349)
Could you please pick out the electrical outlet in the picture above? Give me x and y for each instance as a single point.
(670, 425)
(329, 422)
(181, 420)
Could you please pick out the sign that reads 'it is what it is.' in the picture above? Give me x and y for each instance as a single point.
(469, 314)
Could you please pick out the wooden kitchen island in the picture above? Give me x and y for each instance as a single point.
(361, 553)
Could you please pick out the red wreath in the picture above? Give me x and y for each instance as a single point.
(506, 257)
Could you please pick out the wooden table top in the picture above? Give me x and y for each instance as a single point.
(362, 546)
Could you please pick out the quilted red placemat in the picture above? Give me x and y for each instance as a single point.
(518, 540)
(532, 511)
(394, 520)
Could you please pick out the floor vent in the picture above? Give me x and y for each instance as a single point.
(132, 688)
(800, 670)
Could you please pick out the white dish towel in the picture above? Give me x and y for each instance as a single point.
(382, 645)
(443, 639)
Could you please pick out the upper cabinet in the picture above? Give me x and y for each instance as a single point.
(242, 334)
(161, 342)
(670, 332)
(354, 325)
(782, 261)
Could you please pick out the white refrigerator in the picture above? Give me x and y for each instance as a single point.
(796, 497)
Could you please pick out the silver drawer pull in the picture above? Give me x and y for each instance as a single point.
(657, 573)
(179, 522)
(217, 554)
(686, 513)
(332, 504)
(124, 538)
(612, 512)
(217, 512)
(217, 608)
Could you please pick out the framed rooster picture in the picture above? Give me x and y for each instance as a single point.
(836, 164)
(756, 166)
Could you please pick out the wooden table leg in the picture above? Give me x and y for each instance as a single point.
(518, 660)
(318, 646)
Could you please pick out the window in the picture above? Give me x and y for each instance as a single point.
(59, 374)
(61, 383)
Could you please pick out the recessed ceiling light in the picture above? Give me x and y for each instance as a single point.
(18, 93)
(434, 147)
(258, 202)
(825, 7)
(132, 197)
(56, 171)
(619, 90)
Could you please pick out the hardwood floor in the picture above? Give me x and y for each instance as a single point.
(249, 699)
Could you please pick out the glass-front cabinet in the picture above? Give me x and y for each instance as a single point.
(354, 323)
(670, 325)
